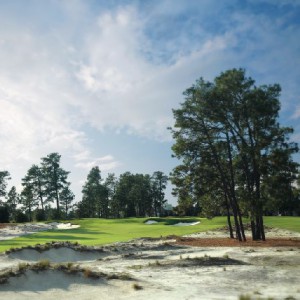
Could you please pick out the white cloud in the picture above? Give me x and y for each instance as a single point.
(106, 163)
(125, 89)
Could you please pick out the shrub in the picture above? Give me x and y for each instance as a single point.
(54, 214)
(21, 217)
(40, 215)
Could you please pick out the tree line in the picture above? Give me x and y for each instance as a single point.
(236, 159)
(46, 194)
(130, 195)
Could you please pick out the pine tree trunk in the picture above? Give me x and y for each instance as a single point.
(228, 218)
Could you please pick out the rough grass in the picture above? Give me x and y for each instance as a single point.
(106, 231)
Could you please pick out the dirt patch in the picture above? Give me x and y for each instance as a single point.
(4, 225)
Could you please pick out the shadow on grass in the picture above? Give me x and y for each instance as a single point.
(57, 237)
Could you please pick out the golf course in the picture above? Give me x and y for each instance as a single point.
(93, 232)
(148, 258)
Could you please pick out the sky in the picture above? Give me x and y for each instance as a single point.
(96, 81)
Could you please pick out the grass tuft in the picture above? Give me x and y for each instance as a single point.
(22, 267)
(137, 287)
(88, 273)
(43, 264)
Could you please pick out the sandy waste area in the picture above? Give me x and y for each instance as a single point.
(154, 269)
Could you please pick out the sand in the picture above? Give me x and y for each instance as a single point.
(151, 222)
(163, 269)
(10, 231)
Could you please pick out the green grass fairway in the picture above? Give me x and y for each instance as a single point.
(106, 231)
(289, 223)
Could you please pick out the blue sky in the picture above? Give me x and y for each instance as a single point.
(96, 81)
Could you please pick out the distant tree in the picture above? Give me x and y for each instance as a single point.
(133, 195)
(55, 178)
(66, 198)
(158, 184)
(4, 176)
(124, 203)
(28, 202)
(95, 195)
(141, 195)
(110, 185)
(4, 210)
(12, 201)
(36, 180)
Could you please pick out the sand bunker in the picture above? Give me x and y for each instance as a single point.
(13, 231)
(62, 254)
(38, 281)
(62, 226)
(186, 223)
(150, 222)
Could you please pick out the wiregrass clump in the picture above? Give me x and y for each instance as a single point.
(137, 287)
(41, 265)
(67, 268)
(56, 245)
(88, 273)
(248, 297)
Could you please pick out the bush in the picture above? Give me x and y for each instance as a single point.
(21, 217)
(40, 215)
(52, 214)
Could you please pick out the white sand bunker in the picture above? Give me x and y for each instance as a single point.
(62, 226)
(48, 279)
(13, 231)
(62, 254)
(186, 223)
(150, 222)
